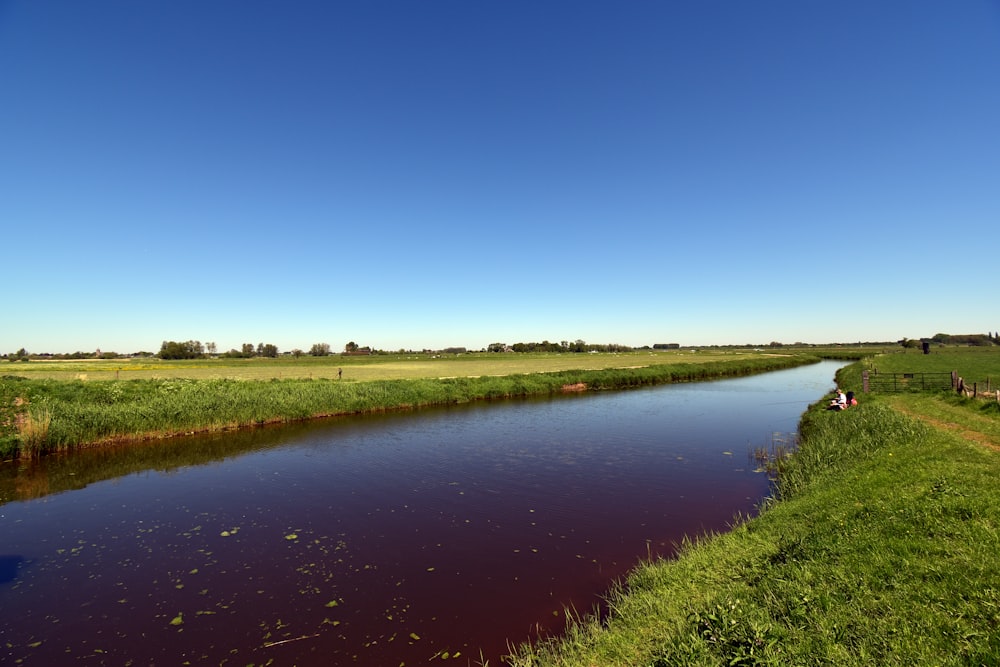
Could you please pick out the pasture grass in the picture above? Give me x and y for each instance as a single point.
(974, 364)
(360, 368)
(86, 412)
(880, 547)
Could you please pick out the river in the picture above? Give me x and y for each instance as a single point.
(400, 539)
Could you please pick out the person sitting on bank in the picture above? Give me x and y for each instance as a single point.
(840, 402)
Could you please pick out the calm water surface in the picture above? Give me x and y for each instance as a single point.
(387, 540)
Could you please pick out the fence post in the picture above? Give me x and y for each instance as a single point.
(864, 382)
(954, 379)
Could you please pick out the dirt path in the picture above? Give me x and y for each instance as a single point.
(964, 431)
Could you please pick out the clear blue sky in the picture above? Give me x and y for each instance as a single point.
(411, 174)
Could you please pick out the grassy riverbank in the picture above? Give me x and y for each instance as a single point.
(43, 414)
(883, 549)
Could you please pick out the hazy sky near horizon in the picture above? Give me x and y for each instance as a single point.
(411, 174)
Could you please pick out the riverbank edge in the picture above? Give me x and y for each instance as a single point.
(42, 416)
(879, 547)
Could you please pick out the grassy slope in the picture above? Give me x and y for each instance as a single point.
(883, 550)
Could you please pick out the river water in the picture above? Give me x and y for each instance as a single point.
(401, 539)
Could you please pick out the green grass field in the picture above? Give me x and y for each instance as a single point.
(54, 406)
(357, 368)
(975, 363)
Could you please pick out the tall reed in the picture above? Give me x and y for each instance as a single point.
(33, 430)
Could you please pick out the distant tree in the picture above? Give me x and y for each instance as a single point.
(962, 339)
(496, 347)
(351, 347)
(247, 351)
(296, 353)
(191, 349)
(211, 348)
(320, 350)
(267, 350)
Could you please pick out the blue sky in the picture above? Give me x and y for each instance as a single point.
(423, 174)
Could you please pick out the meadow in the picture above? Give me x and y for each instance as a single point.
(358, 368)
(53, 406)
(975, 365)
(879, 547)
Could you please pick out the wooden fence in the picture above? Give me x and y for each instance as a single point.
(873, 381)
(897, 382)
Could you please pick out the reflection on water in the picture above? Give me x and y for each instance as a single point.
(380, 540)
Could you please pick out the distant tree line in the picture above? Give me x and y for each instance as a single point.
(25, 356)
(193, 349)
(248, 351)
(20, 355)
(975, 340)
(323, 349)
(562, 346)
(967, 339)
(190, 349)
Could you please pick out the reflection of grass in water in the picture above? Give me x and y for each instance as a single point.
(33, 479)
(30, 482)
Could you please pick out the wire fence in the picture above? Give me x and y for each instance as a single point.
(898, 382)
(873, 381)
